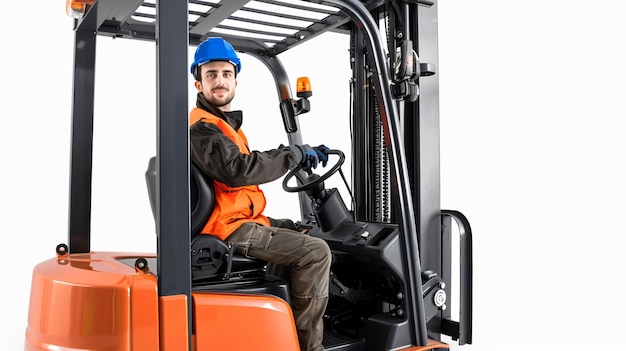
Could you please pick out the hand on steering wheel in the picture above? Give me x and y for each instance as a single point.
(309, 157)
(308, 185)
(322, 154)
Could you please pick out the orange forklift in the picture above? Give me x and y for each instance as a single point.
(391, 276)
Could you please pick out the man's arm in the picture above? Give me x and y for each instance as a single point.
(220, 158)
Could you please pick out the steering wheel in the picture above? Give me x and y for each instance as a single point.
(317, 180)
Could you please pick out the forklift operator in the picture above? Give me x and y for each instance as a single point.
(220, 149)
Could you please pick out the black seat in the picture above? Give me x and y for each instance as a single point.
(211, 257)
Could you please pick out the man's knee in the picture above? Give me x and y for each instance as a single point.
(321, 250)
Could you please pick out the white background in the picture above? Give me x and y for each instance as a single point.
(532, 152)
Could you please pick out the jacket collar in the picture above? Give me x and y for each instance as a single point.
(233, 118)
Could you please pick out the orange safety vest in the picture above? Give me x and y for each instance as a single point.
(233, 205)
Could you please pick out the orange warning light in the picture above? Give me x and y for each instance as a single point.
(303, 87)
(76, 8)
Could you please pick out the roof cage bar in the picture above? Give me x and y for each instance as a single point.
(265, 23)
(218, 13)
(214, 3)
(299, 7)
(255, 31)
(282, 15)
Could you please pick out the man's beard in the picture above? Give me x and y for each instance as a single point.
(217, 103)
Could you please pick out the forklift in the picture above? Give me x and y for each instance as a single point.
(392, 267)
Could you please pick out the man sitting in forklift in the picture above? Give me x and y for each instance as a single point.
(220, 149)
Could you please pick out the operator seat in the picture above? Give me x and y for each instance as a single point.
(211, 257)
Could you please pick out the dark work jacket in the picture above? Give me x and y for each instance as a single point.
(220, 149)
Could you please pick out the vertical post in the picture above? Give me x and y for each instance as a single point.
(362, 149)
(79, 232)
(422, 136)
(389, 113)
(173, 199)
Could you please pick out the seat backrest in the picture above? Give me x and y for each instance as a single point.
(211, 257)
(201, 192)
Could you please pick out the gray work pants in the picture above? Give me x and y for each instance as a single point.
(309, 259)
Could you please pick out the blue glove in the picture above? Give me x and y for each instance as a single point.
(321, 154)
(308, 156)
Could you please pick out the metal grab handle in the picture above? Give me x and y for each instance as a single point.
(463, 329)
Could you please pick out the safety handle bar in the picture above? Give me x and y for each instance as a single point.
(462, 330)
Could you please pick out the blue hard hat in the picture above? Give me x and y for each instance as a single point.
(215, 49)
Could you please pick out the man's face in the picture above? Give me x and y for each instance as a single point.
(218, 83)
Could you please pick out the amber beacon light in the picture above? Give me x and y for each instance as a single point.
(76, 8)
(303, 87)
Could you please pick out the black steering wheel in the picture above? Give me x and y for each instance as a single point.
(314, 181)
